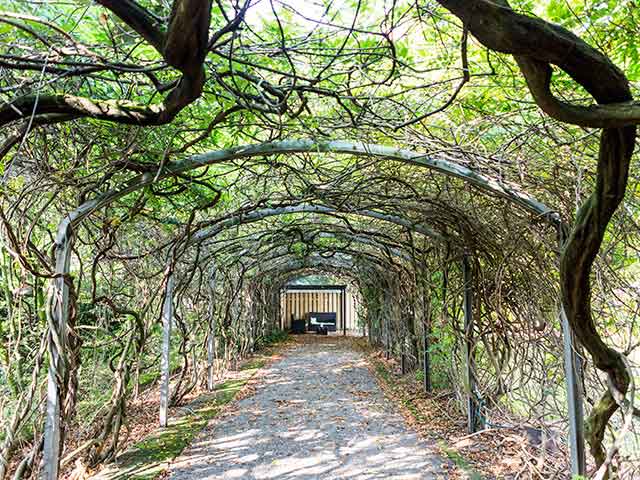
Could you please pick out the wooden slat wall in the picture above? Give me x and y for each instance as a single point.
(302, 302)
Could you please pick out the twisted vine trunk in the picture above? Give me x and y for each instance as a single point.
(536, 45)
(579, 253)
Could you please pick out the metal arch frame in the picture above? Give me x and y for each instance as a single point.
(58, 334)
(257, 215)
(282, 251)
(318, 264)
(374, 239)
(339, 234)
(168, 310)
(211, 333)
(323, 264)
(474, 422)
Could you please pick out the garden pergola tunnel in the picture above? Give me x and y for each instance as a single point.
(124, 126)
(58, 343)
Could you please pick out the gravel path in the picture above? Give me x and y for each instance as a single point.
(317, 413)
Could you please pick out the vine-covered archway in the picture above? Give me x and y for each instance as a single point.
(178, 162)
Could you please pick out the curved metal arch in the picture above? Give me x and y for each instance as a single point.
(446, 167)
(283, 253)
(295, 267)
(319, 263)
(342, 235)
(375, 238)
(355, 255)
(261, 214)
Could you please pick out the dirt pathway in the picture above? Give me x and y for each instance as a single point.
(316, 414)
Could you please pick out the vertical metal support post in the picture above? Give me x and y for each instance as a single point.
(387, 338)
(343, 309)
(472, 407)
(387, 324)
(403, 340)
(211, 337)
(280, 326)
(211, 348)
(261, 311)
(167, 319)
(57, 342)
(573, 382)
(426, 360)
(573, 376)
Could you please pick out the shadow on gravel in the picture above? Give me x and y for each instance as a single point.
(316, 414)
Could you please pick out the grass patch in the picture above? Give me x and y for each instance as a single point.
(253, 364)
(460, 461)
(383, 373)
(274, 338)
(149, 458)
